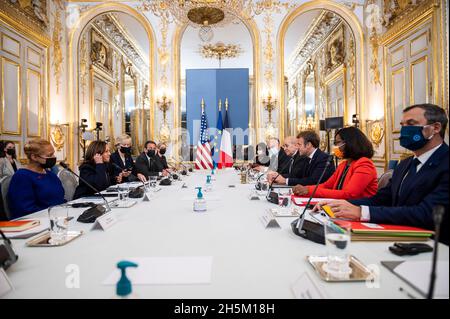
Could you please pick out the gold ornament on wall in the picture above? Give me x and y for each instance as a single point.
(58, 137)
(57, 51)
(376, 132)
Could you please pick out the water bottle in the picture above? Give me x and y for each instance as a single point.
(213, 174)
(200, 202)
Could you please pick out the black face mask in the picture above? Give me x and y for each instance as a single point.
(11, 151)
(49, 162)
(151, 153)
(162, 151)
(125, 150)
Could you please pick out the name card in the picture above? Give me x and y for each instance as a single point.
(269, 222)
(253, 196)
(5, 284)
(305, 288)
(105, 222)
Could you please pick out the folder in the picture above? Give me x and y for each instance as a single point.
(362, 231)
(18, 225)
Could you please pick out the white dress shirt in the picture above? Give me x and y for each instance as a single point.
(365, 210)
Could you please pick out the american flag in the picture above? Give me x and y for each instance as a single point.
(203, 159)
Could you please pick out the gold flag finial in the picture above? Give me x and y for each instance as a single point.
(220, 104)
(203, 104)
(226, 104)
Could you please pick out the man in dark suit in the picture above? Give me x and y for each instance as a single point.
(418, 184)
(316, 160)
(148, 163)
(291, 166)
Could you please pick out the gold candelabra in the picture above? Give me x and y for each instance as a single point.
(269, 105)
(163, 103)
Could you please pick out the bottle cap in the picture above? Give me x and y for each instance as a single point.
(199, 194)
(123, 287)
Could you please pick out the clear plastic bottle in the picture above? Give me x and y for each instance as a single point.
(208, 185)
(199, 202)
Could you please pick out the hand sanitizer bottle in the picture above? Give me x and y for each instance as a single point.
(123, 287)
(200, 202)
(213, 174)
(208, 186)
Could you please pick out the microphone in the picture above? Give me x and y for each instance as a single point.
(438, 214)
(7, 254)
(97, 209)
(272, 196)
(313, 231)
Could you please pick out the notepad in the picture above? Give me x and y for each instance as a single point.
(166, 271)
(18, 225)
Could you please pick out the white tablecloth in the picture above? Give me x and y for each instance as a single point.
(249, 261)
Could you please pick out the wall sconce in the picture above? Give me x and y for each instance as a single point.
(375, 131)
(57, 135)
(163, 103)
(269, 104)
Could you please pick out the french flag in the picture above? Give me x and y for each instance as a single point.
(226, 153)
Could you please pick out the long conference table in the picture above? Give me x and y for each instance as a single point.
(248, 260)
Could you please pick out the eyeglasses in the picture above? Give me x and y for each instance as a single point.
(339, 144)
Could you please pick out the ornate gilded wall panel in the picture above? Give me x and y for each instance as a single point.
(11, 97)
(34, 99)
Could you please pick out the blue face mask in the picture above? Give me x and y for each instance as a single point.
(411, 137)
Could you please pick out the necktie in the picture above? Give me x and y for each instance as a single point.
(409, 177)
(290, 166)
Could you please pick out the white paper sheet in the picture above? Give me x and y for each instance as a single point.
(166, 271)
(418, 273)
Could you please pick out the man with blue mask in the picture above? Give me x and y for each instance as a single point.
(418, 184)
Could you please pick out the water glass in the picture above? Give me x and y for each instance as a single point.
(123, 192)
(59, 223)
(337, 240)
(153, 180)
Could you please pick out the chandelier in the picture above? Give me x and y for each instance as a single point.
(207, 13)
(220, 51)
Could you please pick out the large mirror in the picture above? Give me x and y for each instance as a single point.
(113, 82)
(319, 56)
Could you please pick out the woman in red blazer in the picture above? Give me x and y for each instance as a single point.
(355, 177)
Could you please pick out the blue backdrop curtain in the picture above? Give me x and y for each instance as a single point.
(212, 85)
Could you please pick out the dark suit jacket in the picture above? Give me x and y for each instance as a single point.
(415, 206)
(129, 164)
(280, 161)
(163, 161)
(148, 167)
(101, 176)
(310, 173)
(297, 166)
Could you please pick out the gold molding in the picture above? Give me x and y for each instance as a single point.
(25, 30)
(356, 29)
(28, 57)
(402, 48)
(411, 54)
(392, 96)
(3, 35)
(39, 103)
(19, 96)
(409, 22)
(411, 79)
(74, 38)
(338, 73)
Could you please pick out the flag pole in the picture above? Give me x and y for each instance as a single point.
(203, 105)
